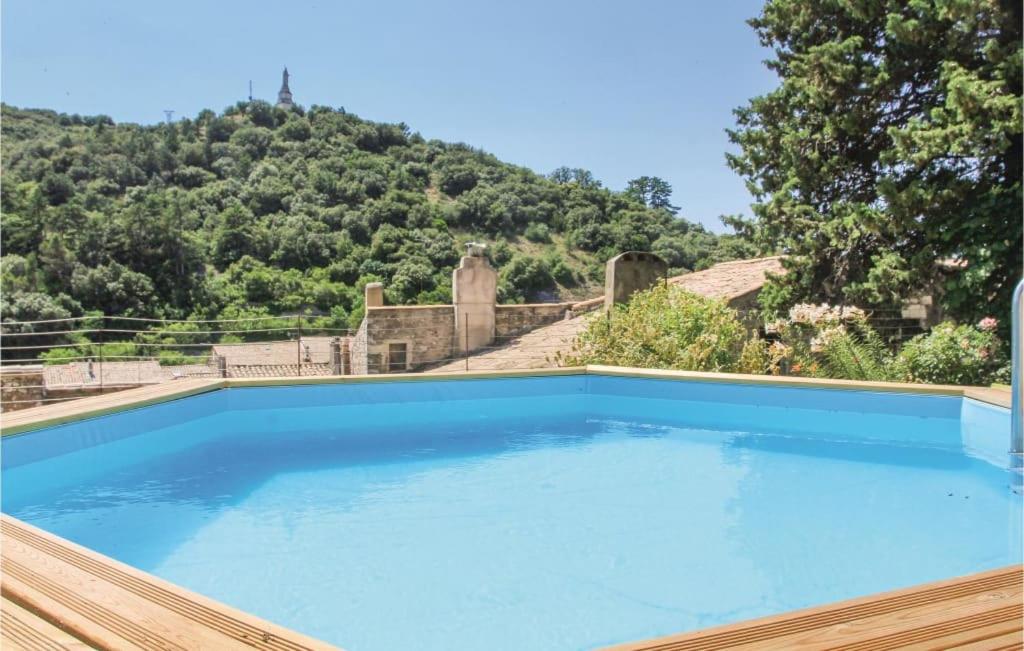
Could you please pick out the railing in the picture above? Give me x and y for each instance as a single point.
(56, 360)
(1016, 417)
(74, 356)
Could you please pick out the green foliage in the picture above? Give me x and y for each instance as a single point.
(177, 358)
(666, 327)
(581, 177)
(652, 192)
(523, 278)
(537, 232)
(893, 142)
(854, 352)
(952, 354)
(117, 352)
(261, 211)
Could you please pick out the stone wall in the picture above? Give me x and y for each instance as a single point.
(21, 388)
(359, 350)
(748, 308)
(428, 332)
(512, 320)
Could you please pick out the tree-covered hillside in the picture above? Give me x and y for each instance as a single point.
(262, 210)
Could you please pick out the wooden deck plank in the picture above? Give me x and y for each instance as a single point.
(985, 637)
(965, 609)
(1006, 642)
(111, 605)
(52, 414)
(23, 630)
(58, 595)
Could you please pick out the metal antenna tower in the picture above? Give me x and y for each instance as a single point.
(170, 115)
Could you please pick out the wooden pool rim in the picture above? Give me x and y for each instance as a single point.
(35, 418)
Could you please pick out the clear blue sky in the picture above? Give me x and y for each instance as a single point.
(621, 88)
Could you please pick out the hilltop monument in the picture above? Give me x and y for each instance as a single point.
(284, 96)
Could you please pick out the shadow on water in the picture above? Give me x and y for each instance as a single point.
(142, 512)
(870, 452)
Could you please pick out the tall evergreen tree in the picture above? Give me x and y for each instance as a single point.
(891, 145)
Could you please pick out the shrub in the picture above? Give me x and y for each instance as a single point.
(834, 342)
(952, 354)
(853, 352)
(523, 277)
(561, 272)
(115, 352)
(458, 179)
(178, 358)
(537, 232)
(668, 327)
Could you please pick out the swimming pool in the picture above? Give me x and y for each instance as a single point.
(559, 512)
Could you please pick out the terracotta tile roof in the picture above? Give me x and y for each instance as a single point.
(729, 280)
(315, 350)
(535, 349)
(278, 370)
(106, 373)
(191, 370)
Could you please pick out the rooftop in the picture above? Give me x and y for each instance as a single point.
(538, 348)
(730, 280)
(309, 350)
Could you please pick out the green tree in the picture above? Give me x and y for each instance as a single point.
(581, 177)
(653, 192)
(523, 278)
(892, 142)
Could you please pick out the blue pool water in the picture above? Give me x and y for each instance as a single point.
(542, 513)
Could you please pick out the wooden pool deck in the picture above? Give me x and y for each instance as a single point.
(58, 595)
(979, 611)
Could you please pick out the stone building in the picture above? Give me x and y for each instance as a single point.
(738, 283)
(400, 338)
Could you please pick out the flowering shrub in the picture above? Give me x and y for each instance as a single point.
(952, 354)
(988, 324)
(833, 342)
(824, 314)
(668, 327)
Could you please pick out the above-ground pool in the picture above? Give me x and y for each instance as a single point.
(561, 512)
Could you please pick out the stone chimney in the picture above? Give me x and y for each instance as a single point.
(474, 293)
(630, 272)
(373, 295)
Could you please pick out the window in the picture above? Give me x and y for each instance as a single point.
(397, 357)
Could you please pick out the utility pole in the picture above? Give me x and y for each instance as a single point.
(170, 115)
(250, 91)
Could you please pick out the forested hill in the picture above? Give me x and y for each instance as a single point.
(261, 210)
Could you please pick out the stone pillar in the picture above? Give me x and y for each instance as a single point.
(346, 356)
(374, 295)
(630, 272)
(336, 366)
(474, 293)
